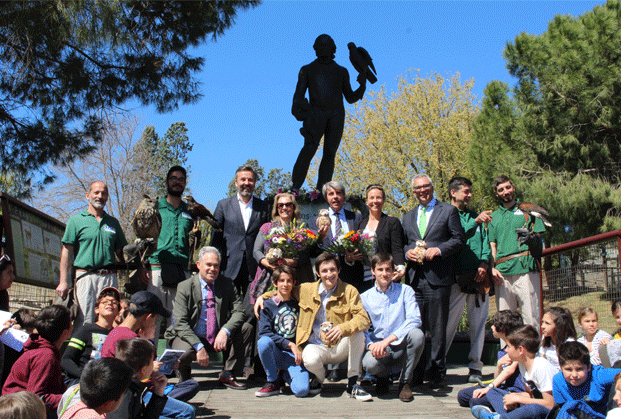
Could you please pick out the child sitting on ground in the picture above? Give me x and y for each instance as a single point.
(102, 387)
(22, 405)
(276, 344)
(557, 327)
(507, 375)
(86, 343)
(616, 412)
(580, 380)
(587, 319)
(38, 369)
(22, 319)
(537, 373)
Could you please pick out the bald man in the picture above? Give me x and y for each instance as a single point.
(91, 241)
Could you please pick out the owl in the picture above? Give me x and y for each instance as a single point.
(323, 218)
(147, 221)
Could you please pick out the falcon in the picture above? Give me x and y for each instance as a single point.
(362, 62)
(198, 212)
(534, 211)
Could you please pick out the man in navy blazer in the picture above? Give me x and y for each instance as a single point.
(239, 217)
(334, 194)
(437, 223)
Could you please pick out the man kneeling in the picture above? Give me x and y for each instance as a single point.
(396, 338)
(331, 325)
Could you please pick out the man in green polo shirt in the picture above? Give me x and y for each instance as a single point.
(169, 263)
(521, 284)
(92, 239)
(471, 270)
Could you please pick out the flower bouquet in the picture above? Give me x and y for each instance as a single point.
(290, 240)
(364, 243)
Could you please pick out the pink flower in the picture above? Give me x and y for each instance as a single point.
(314, 195)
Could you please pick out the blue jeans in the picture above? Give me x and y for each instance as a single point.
(527, 411)
(274, 359)
(174, 409)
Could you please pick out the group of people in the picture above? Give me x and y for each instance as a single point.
(554, 374)
(369, 316)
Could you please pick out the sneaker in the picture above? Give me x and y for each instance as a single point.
(314, 387)
(269, 389)
(475, 377)
(358, 393)
(483, 412)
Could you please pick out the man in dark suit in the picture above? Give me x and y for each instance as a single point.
(342, 222)
(432, 275)
(240, 217)
(208, 316)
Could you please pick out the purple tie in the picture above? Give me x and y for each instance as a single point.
(210, 316)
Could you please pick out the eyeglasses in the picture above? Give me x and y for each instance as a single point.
(285, 205)
(421, 187)
(5, 257)
(177, 179)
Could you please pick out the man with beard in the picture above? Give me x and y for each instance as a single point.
(517, 282)
(93, 237)
(169, 262)
(239, 217)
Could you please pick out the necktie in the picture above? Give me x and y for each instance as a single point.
(422, 222)
(338, 228)
(210, 317)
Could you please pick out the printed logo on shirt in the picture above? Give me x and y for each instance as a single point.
(286, 322)
(109, 229)
(518, 212)
(186, 215)
(98, 340)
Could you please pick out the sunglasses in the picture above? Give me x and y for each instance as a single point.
(285, 205)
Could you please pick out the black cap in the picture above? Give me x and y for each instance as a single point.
(145, 302)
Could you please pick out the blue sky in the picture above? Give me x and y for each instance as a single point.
(251, 71)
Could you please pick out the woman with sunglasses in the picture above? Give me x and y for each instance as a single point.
(388, 233)
(284, 211)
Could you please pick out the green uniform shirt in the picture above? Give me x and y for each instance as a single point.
(94, 242)
(477, 248)
(172, 244)
(502, 232)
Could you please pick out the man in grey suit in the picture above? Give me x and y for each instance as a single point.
(240, 217)
(208, 316)
(432, 275)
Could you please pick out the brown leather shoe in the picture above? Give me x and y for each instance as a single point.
(230, 382)
(405, 395)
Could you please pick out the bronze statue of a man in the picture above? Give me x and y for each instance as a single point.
(327, 83)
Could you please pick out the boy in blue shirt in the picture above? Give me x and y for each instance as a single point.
(579, 379)
(276, 345)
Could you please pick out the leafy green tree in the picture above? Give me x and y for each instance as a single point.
(66, 63)
(569, 92)
(424, 126)
(162, 153)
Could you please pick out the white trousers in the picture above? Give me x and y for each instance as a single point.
(350, 348)
(476, 319)
(521, 291)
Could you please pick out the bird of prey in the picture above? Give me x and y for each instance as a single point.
(147, 224)
(532, 240)
(147, 221)
(362, 62)
(198, 212)
(534, 211)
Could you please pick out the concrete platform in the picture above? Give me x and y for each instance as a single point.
(214, 401)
